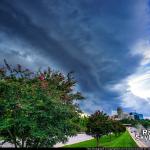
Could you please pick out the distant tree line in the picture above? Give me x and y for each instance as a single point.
(133, 122)
(145, 123)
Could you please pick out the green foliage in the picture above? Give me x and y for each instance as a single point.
(99, 124)
(117, 127)
(83, 123)
(145, 123)
(133, 122)
(37, 109)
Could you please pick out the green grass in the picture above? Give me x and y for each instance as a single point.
(124, 140)
(1, 138)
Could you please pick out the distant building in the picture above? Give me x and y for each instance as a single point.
(119, 112)
(136, 116)
(114, 117)
(124, 115)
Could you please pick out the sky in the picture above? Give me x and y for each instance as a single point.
(105, 42)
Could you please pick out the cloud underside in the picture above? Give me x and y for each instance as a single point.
(96, 39)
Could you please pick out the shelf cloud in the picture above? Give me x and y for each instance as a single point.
(105, 43)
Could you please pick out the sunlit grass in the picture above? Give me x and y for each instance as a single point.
(123, 140)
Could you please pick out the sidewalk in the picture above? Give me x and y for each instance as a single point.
(75, 139)
(72, 140)
(6, 145)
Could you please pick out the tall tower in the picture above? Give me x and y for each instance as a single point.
(120, 112)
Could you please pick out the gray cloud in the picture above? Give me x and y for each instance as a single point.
(93, 38)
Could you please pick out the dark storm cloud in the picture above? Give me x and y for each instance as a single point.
(91, 37)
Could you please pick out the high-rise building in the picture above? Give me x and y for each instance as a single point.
(124, 115)
(120, 112)
(136, 116)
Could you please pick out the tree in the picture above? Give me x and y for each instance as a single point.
(119, 111)
(83, 123)
(117, 127)
(145, 123)
(109, 127)
(37, 109)
(97, 125)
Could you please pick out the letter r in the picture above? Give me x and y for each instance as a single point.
(144, 132)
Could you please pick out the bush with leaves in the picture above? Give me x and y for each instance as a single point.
(97, 125)
(37, 109)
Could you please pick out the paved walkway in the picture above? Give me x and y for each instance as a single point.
(6, 145)
(75, 139)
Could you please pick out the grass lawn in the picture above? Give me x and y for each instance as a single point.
(1, 138)
(124, 140)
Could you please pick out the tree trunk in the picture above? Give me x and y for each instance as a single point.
(13, 138)
(22, 143)
(97, 142)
